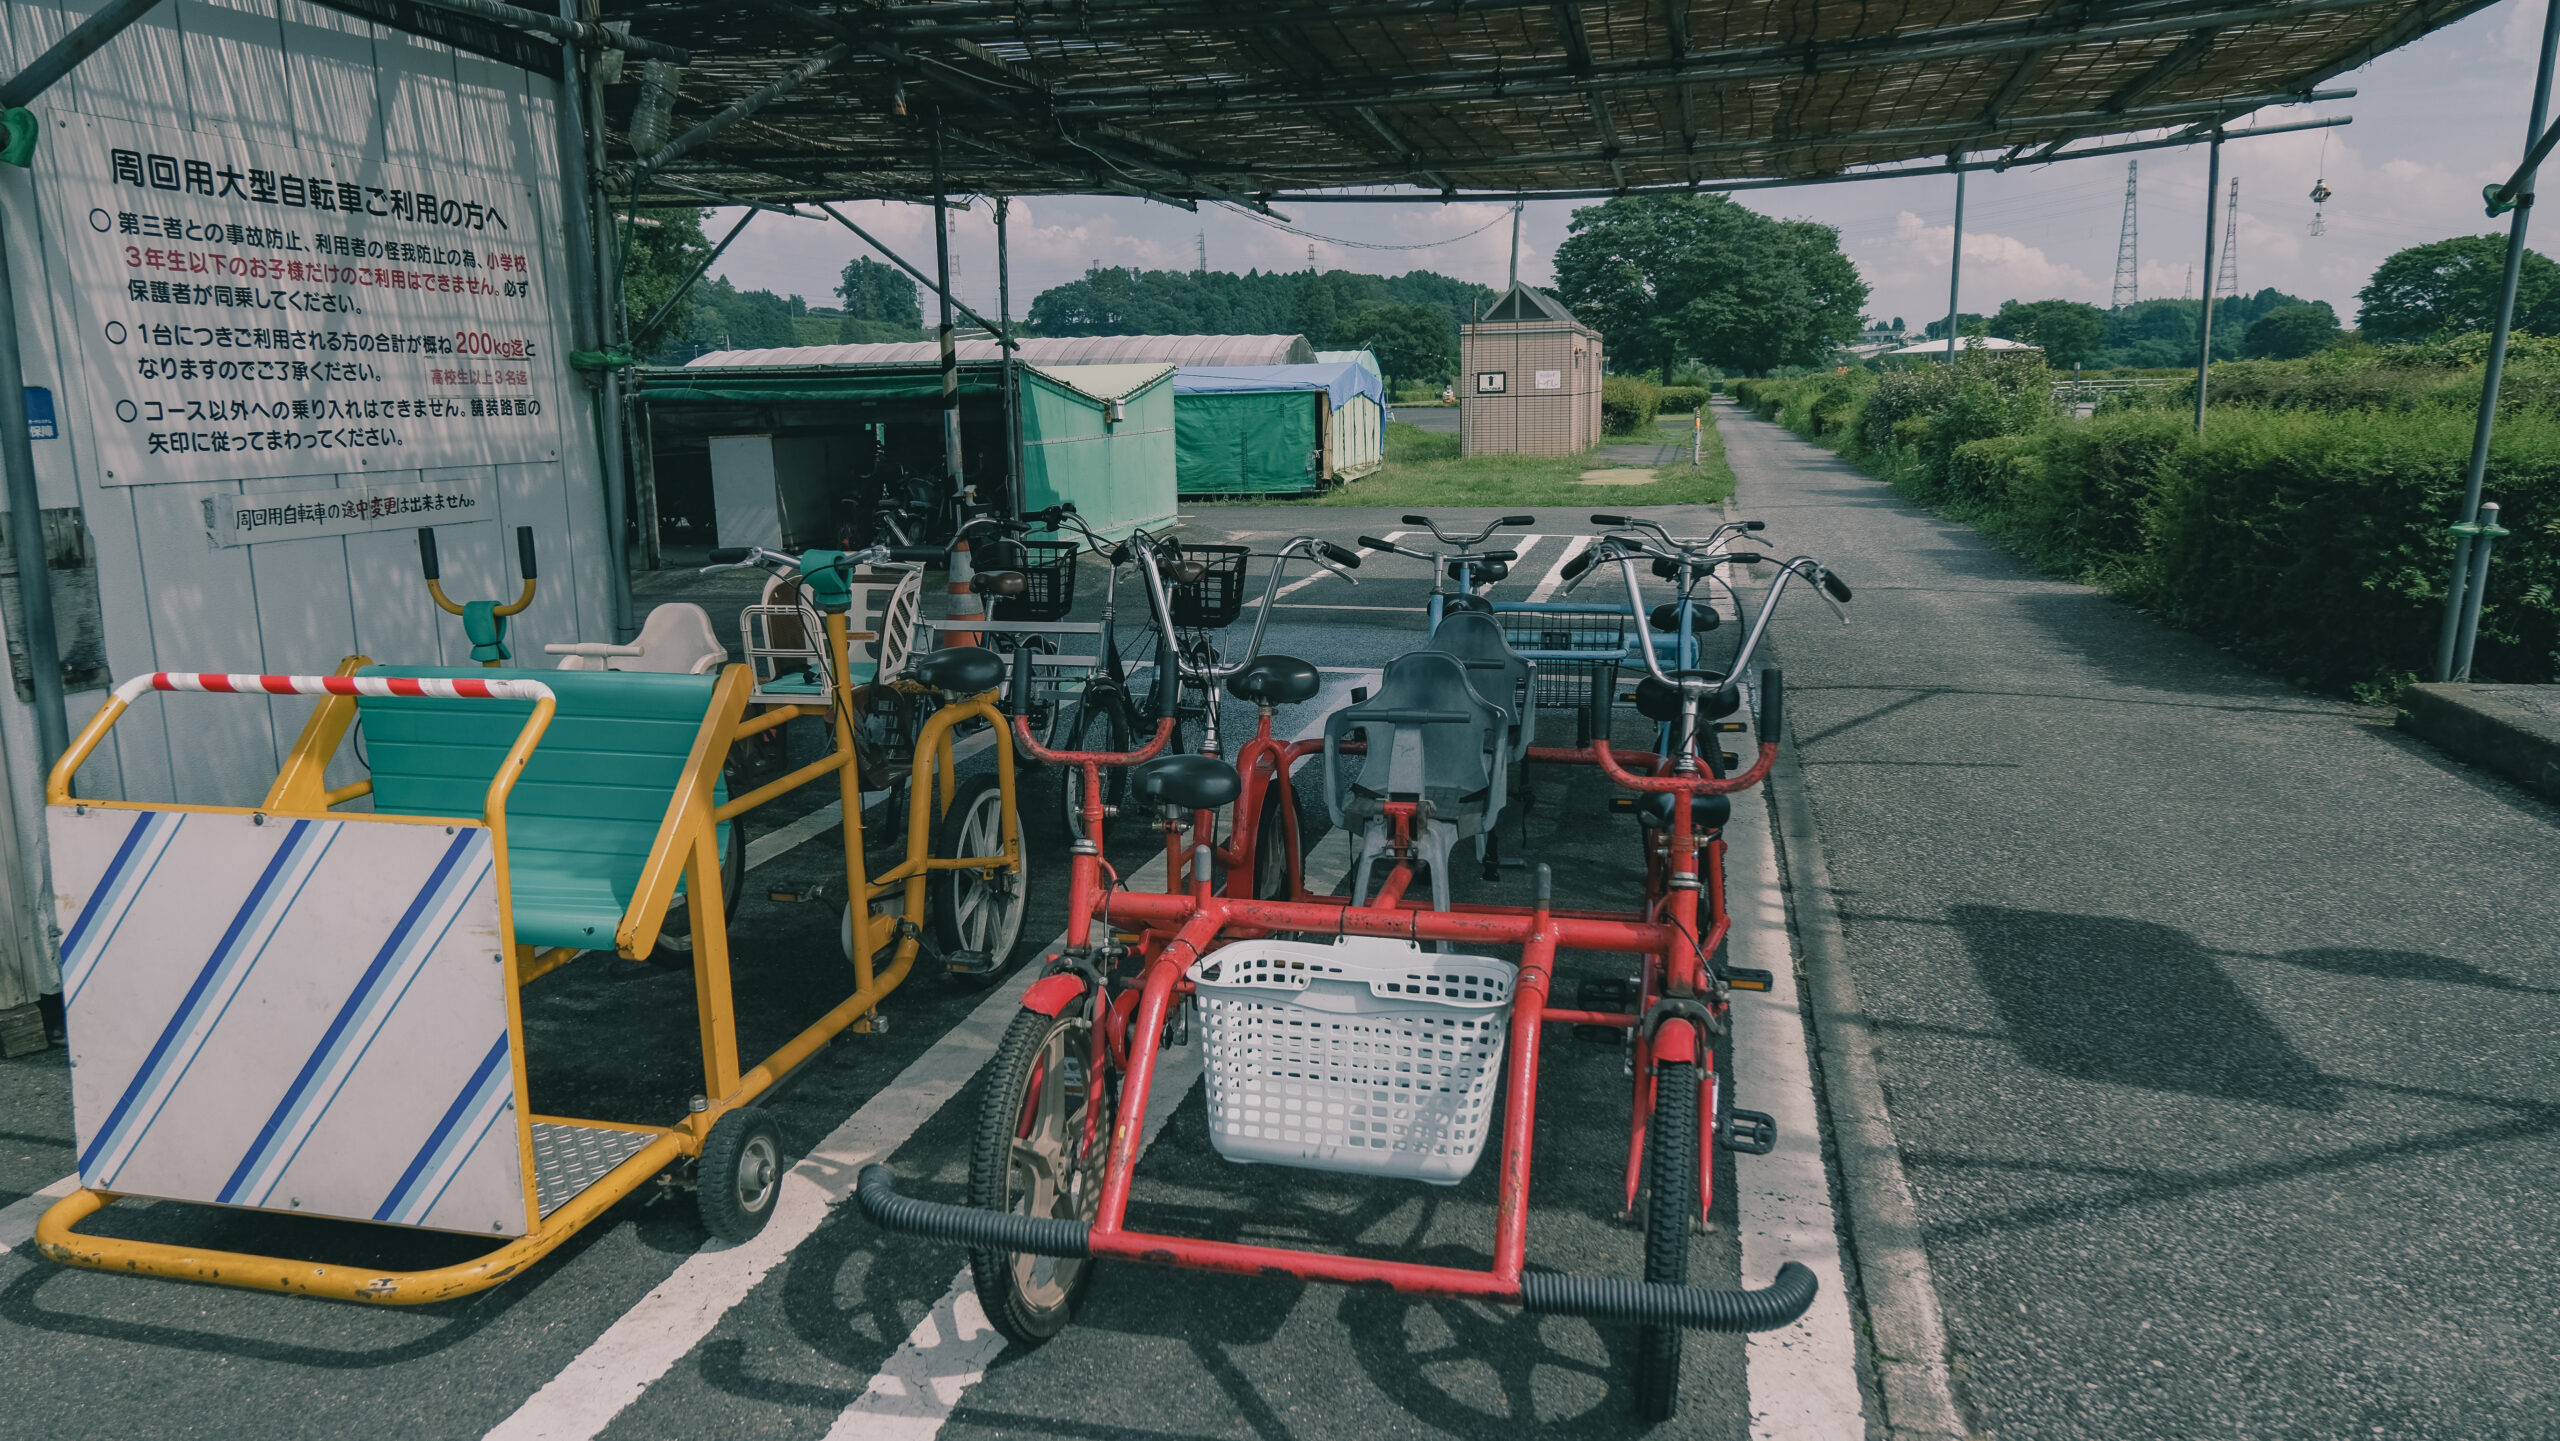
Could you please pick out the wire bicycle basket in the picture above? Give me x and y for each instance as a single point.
(1217, 598)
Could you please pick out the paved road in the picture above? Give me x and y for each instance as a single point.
(635, 1329)
(2217, 1017)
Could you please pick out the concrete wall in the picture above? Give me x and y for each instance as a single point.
(281, 73)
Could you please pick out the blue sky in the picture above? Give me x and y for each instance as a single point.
(2433, 123)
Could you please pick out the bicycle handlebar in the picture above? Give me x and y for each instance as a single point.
(1046, 756)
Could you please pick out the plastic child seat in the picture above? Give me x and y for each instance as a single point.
(958, 670)
(1187, 782)
(1499, 673)
(785, 632)
(1432, 738)
(677, 639)
(1275, 680)
(585, 815)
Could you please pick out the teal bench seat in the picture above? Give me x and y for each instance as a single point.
(583, 818)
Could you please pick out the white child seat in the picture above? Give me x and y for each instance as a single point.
(678, 639)
(785, 635)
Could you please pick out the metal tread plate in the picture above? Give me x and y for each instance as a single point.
(568, 1159)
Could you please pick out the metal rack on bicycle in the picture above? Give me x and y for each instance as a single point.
(1029, 629)
(1577, 648)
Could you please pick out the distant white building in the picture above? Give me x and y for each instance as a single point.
(1937, 349)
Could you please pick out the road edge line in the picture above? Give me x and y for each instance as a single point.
(1908, 1335)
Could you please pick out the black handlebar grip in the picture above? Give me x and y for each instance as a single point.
(1049, 518)
(1833, 583)
(729, 555)
(1581, 562)
(1499, 555)
(427, 552)
(1168, 683)
(1745, 557)
(921, 554)
(1517, 520)
(1773, 704)
(524, 550)
(1415, 520)
(1755, 525)
(1340, 555)
(1373, 543)
(1608, 520)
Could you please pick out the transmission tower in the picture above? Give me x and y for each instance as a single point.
(1203, 238)
(2226, 283)
(2128, 258)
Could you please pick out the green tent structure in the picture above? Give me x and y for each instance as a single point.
(776, 450)
(1275, 429)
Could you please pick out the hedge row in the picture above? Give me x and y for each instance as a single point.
(2306, 526)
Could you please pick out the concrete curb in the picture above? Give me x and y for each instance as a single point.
(1907, 1334)
(2512, 730)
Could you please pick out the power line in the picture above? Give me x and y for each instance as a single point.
(1260, 219)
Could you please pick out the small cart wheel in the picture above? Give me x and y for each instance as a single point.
(740, 1174)
(1671, 1163)
(1043, 1132)
(976, 912)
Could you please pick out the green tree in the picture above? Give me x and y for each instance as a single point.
(2290, 332)
(1668, 278)
(2068, 331)
(1414, 344)
(2451, 288)
(659, 250)
(734, 319)
(874, 291)
(1316, 312)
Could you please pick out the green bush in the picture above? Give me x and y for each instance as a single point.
(1681, 399)
(1628, 404)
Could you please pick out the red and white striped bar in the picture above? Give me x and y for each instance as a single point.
(468, 688)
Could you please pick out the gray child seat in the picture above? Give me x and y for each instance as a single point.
(1432, 738)
(1499, 673)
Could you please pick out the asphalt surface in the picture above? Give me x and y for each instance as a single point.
(1158, 1353)
(2217, 1016)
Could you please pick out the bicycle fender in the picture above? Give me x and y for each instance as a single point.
(1051, 995)
(1674, 1044)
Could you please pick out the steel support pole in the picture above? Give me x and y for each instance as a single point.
(2488, 530)
(84, 41)
(587, 243)
(2204, 328)
(648, 330)
(1515, 244)
(1021, 486)
(26, 533)
(1955, 269)
(963, 603)
(2520, 193)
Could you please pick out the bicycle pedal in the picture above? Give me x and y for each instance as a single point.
(1747, 978)
(785, 895)
(1730, 759)
(969, 963)
(1754, 1133)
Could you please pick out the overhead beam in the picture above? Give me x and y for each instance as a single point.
(741, 108)
(577, 32)
(1524, 82)
(922, 279)
(1718, 187)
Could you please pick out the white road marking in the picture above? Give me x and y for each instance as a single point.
(1803, 1380)
(1293, 587)
(1555, 573)
(18, 1218)
(1524, 545)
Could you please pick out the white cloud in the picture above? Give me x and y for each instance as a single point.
(1913, 262)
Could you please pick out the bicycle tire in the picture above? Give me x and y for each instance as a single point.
(1032, 1298)
(1671, 1165)
(1101, 724)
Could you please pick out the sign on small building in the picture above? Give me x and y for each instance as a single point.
(1559, 413)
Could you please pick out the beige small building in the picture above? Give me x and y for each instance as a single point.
(1528, 379)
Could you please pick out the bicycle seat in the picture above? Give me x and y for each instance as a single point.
(1275, 680)
(1706, 813)
(1666, 618)
(1187, 782)
(959, 670)
(1658, 702)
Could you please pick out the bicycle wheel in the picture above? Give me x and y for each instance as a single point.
(976, 912)
(1043, 1131)
(1100, 723)
(1275, 836)
(1671, 1165)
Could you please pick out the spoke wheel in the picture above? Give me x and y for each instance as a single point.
(1671, 1161)
(675, 933)
(976, 910)
(1097, 725)
(1043, 1131)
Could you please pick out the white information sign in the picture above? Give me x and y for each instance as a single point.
(249, 310)
(1550, 380)
(266, 515)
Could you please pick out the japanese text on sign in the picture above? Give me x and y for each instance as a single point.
(250, 311)
(264, 516)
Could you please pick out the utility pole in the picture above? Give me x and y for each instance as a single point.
(1515, 242)
(2204, 328)
(1955, 266)
(2128, 258)
(2226, 282)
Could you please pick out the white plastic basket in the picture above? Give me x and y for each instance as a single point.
(1369, 1056)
